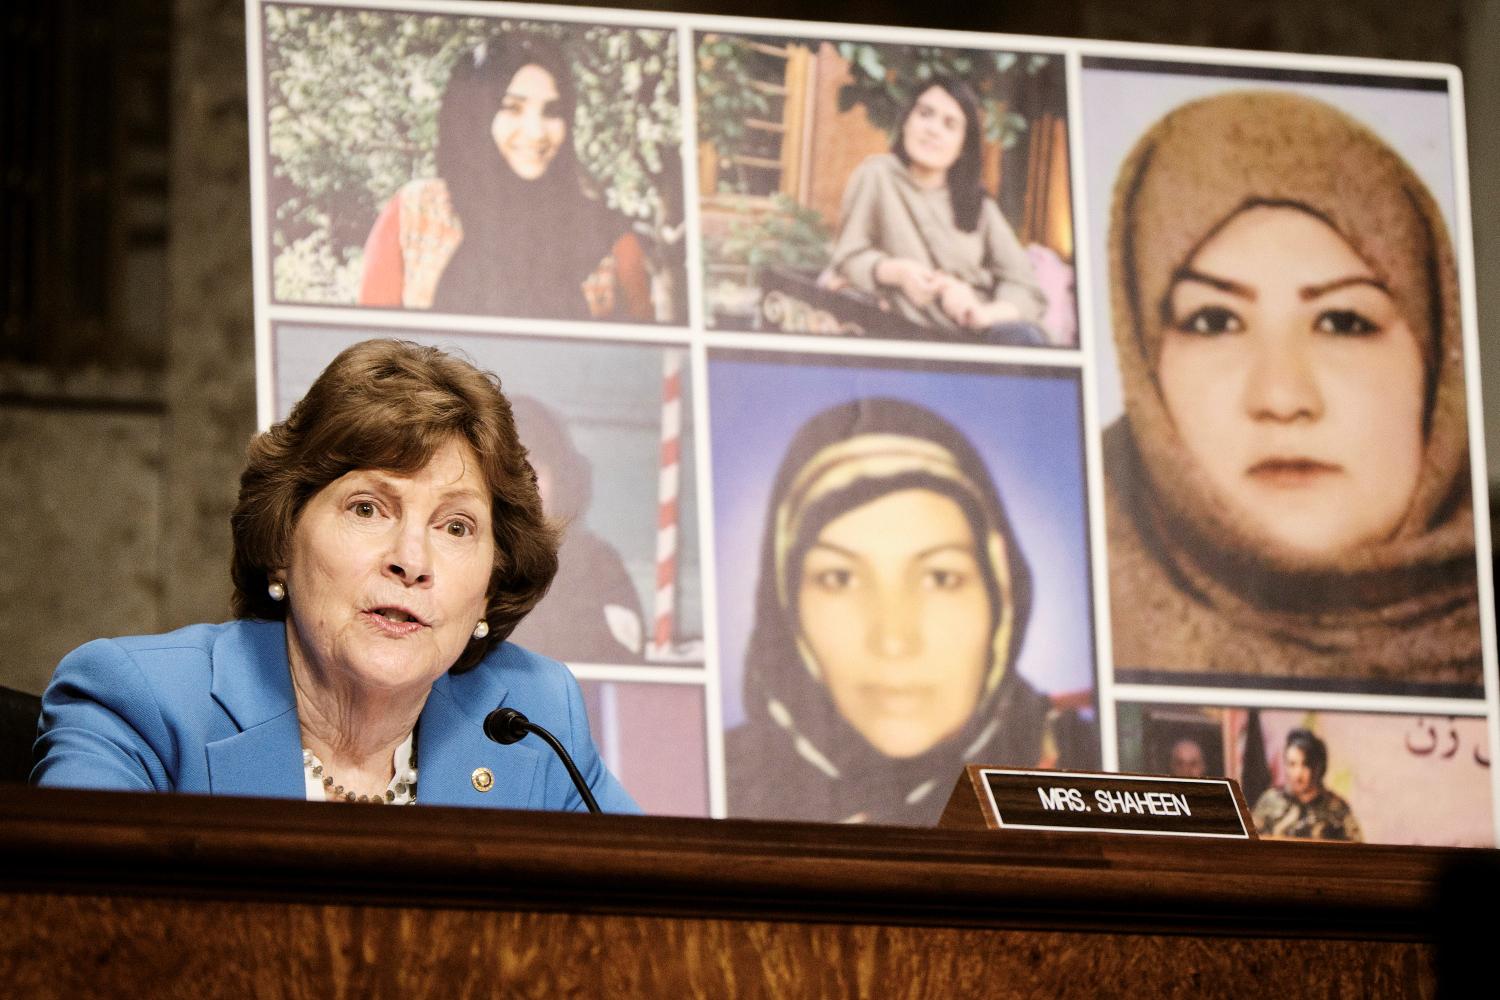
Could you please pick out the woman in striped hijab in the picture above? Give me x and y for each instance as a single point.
(892, 602)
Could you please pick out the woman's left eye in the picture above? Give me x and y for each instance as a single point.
(1210, 321)
(459, 529)
(833, 580)
(945, 579)
(1344, 322)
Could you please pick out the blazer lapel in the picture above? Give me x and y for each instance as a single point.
(451, 746)
(263, 760)
(252, 682)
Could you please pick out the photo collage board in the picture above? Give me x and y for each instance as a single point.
(913, 398)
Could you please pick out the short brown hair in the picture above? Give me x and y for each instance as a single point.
(391, 405)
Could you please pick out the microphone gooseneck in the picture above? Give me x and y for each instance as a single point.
(506, 726)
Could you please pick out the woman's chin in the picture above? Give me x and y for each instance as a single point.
(529, 168)
(902, 742)
(1319, 538)
(383, 663)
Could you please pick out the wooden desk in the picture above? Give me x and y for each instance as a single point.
(126, 895)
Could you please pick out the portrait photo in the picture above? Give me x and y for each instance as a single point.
(903, 580)
(879, 190)
(1373, 777)
(484, 166)
(1289, 501)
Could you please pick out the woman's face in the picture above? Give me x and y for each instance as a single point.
(1299, 782)
(933, 134)
(387, 573)
(528, 129)
(1187, 759)
(893, 603)
(1294, 382)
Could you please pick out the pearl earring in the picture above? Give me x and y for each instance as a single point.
(482, 629)
(277, 590)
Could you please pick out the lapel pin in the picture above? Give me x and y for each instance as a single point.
(482, 778)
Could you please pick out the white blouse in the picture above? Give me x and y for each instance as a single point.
(402, 790)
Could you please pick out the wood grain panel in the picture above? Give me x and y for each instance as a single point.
(197, 845)
(122, 895)
(111, 946)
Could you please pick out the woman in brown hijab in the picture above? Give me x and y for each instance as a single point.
(1288, 493)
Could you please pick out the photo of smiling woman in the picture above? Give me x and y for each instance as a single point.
(1288, 492)
(892, 601)
(506, 228)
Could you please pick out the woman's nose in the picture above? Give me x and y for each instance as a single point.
(894, 629)
(410, 557)
(531, 124)
(1282, 384)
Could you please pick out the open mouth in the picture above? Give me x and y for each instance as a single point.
(397, 620)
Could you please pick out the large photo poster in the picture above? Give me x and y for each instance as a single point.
(917, 398)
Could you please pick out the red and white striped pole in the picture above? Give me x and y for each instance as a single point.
(669, 481)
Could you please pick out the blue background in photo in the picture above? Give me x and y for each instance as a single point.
(1028, 430)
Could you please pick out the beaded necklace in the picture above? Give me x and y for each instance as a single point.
(402, 790)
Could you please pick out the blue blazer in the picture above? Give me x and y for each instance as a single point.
(210, 709)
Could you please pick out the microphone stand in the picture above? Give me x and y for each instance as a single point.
(506, 726)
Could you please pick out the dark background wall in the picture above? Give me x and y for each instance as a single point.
(126, 347)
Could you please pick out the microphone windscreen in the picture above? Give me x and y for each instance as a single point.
(505, 726)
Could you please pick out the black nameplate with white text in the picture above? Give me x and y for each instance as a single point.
(1114, 803)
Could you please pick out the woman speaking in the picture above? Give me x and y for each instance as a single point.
(1303, 806)
(388, 538)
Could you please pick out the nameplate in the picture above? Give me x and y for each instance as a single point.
(1075, 801)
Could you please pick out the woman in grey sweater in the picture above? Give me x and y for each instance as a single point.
(918, 230)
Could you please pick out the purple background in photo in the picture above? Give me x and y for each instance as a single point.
(652, 736)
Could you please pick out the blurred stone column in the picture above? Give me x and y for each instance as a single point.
(210, 384)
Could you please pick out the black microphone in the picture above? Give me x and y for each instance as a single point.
(506, 726)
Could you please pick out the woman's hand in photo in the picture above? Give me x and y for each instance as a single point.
(918, 282)
(964, 306)
(988, 314)
(599, 288)
(959, 301)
